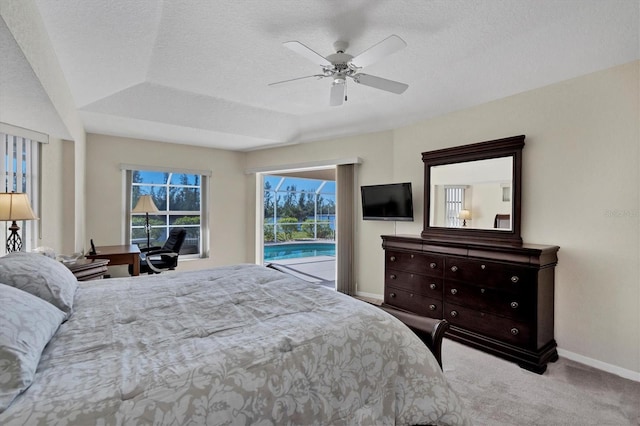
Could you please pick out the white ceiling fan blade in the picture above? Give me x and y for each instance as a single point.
(380, 83)
(298, 78)
(337, 94)
(312, 55)
(386, 47)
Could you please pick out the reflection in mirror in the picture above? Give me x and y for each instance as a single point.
(473, 194)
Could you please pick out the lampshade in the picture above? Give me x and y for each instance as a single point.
(464, 214)
(15, 206)
(145, 205)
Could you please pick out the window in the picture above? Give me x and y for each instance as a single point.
(298, 208)
(19, 170)
(453, 201)
(180, 199)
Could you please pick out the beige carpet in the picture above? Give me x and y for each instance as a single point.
(497, 392)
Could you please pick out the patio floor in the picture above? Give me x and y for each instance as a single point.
(316, 269)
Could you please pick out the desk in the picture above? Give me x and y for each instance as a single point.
(119, 255)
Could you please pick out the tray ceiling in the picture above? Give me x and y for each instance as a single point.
(197, 72)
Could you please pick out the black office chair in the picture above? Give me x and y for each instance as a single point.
(154, 260)
(502, 221)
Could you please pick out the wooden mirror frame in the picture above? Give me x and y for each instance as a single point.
(507, 147)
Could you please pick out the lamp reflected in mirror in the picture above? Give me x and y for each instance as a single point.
(13, 207)
(464, 215)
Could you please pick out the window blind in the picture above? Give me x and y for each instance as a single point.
(20, 172)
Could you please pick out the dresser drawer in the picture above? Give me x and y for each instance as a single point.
(413, 302)
(504, 329)
(489, 274)
(415, 283)
(431, 265)
(519, 306)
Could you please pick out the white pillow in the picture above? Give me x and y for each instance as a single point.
(28, 323)
(41, 276)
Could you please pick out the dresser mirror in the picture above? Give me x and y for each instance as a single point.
(472, 192)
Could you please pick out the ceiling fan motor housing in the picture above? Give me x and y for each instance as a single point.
(340, 46)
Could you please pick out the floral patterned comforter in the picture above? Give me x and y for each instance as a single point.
(234, 345)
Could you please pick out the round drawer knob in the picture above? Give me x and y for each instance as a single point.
(432, 286)
(392, 258)
(454, 291)
(412, 256)
(483, 266)
(454, 268)
(432, 265)
(514, 305)
(411, 295)
(432, 307)
(454, 313)
(483, 291)
(515, 331)
(515, 279)
(392, 295)
(393, 276)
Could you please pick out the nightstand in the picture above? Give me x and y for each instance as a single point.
(88, 269)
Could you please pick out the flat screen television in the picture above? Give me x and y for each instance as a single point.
(387, 202)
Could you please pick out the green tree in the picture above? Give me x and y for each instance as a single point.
(135, 190)
(288, 207)
(287, 225)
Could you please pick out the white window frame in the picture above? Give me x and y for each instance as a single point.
(204, 203)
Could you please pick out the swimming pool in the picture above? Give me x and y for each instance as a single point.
(295, 250)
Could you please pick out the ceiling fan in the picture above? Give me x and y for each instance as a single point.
(340, 65)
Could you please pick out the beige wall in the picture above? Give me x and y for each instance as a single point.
(375, 150)
(106, 192)
(580, 191)
(24, 21)
(51, 190)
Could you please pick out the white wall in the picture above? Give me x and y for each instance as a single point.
(106, 192)
(580, 191)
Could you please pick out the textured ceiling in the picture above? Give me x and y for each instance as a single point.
(197, 71)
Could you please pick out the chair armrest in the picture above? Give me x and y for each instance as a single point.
(162, 252)
(146, 249)
(430, 330)
(150, 265)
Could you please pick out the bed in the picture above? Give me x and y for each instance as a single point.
(242, 344)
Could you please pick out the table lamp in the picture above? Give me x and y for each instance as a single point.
(15, 206)
(146, 205)
(464, 215)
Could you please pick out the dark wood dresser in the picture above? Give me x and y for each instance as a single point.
(497, 298)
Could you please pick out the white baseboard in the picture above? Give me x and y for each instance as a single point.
(370, 295)
(609, 368)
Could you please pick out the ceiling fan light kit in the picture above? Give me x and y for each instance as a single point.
(341, 65)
